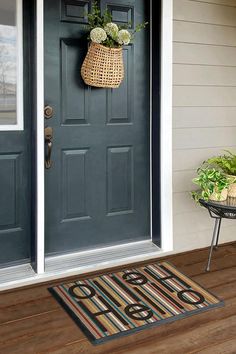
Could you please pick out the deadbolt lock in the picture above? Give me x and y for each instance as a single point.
(48, 112)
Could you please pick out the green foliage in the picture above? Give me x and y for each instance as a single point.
(141, 26)
(226, 162)
(111, 43)
(96, 19)
(210, 181)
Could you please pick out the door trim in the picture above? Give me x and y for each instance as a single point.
(166, 125)
(151, 119)
(40, 185)
(165, 130)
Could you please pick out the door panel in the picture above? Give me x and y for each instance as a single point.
(74, 195)
(75, 102)
(98, 189)
(120, 179)
(11, 165)
(120, 105)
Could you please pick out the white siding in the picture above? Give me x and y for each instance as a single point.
(204, 107)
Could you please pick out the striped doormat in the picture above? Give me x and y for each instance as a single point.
(120, 303)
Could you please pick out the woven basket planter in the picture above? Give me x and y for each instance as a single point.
(103, 66)
(219, 197)
(232, 186)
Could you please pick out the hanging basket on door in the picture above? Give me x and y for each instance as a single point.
(103, 66)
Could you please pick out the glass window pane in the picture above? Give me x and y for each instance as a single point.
(8, 62)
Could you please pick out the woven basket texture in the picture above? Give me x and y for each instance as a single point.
(103, 66)
(232, 190)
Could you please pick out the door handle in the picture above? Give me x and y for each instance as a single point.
(48, 146)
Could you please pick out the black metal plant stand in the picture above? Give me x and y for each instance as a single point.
(218, 211)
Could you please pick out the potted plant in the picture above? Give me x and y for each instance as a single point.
(227, 164)
(213, 185)
(103, 65)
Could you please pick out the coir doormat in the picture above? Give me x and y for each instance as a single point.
(120, 303)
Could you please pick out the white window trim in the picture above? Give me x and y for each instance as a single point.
(19, 76)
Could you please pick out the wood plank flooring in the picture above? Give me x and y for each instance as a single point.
(31, 321)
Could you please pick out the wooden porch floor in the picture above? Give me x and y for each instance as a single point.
(31, 321)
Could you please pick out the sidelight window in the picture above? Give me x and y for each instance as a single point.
(11, 70)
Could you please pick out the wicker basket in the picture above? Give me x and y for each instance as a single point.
(232, 186)
(103, 66)
(219, 197)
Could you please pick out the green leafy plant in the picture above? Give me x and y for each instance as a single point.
(95, 19)
(103, 31)
(210, 181)
(226, 163)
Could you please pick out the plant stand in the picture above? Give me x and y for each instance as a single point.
(218, 211)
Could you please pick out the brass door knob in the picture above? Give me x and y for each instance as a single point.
(48, 134)
(48, 112)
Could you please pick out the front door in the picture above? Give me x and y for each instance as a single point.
(98, 186)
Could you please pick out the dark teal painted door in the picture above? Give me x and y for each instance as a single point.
(97, 189)
(15, 146)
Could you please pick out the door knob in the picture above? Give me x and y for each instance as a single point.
(48, 146)
(48, 112)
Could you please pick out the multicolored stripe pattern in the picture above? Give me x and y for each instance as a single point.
(119, 303)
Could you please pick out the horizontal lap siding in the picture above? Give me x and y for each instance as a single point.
(204, 107)
(230, 3)
(193, 11)
(203, 54)
(195, 117)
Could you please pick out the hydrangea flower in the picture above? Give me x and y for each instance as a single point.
(111, 29)
(98, 35)
(124, 37)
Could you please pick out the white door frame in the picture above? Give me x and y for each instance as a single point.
(40, 184)
(166, 133)
(167, 237)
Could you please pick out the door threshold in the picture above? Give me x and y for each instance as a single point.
(62, 266)
(15, 274)
(102, 256)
